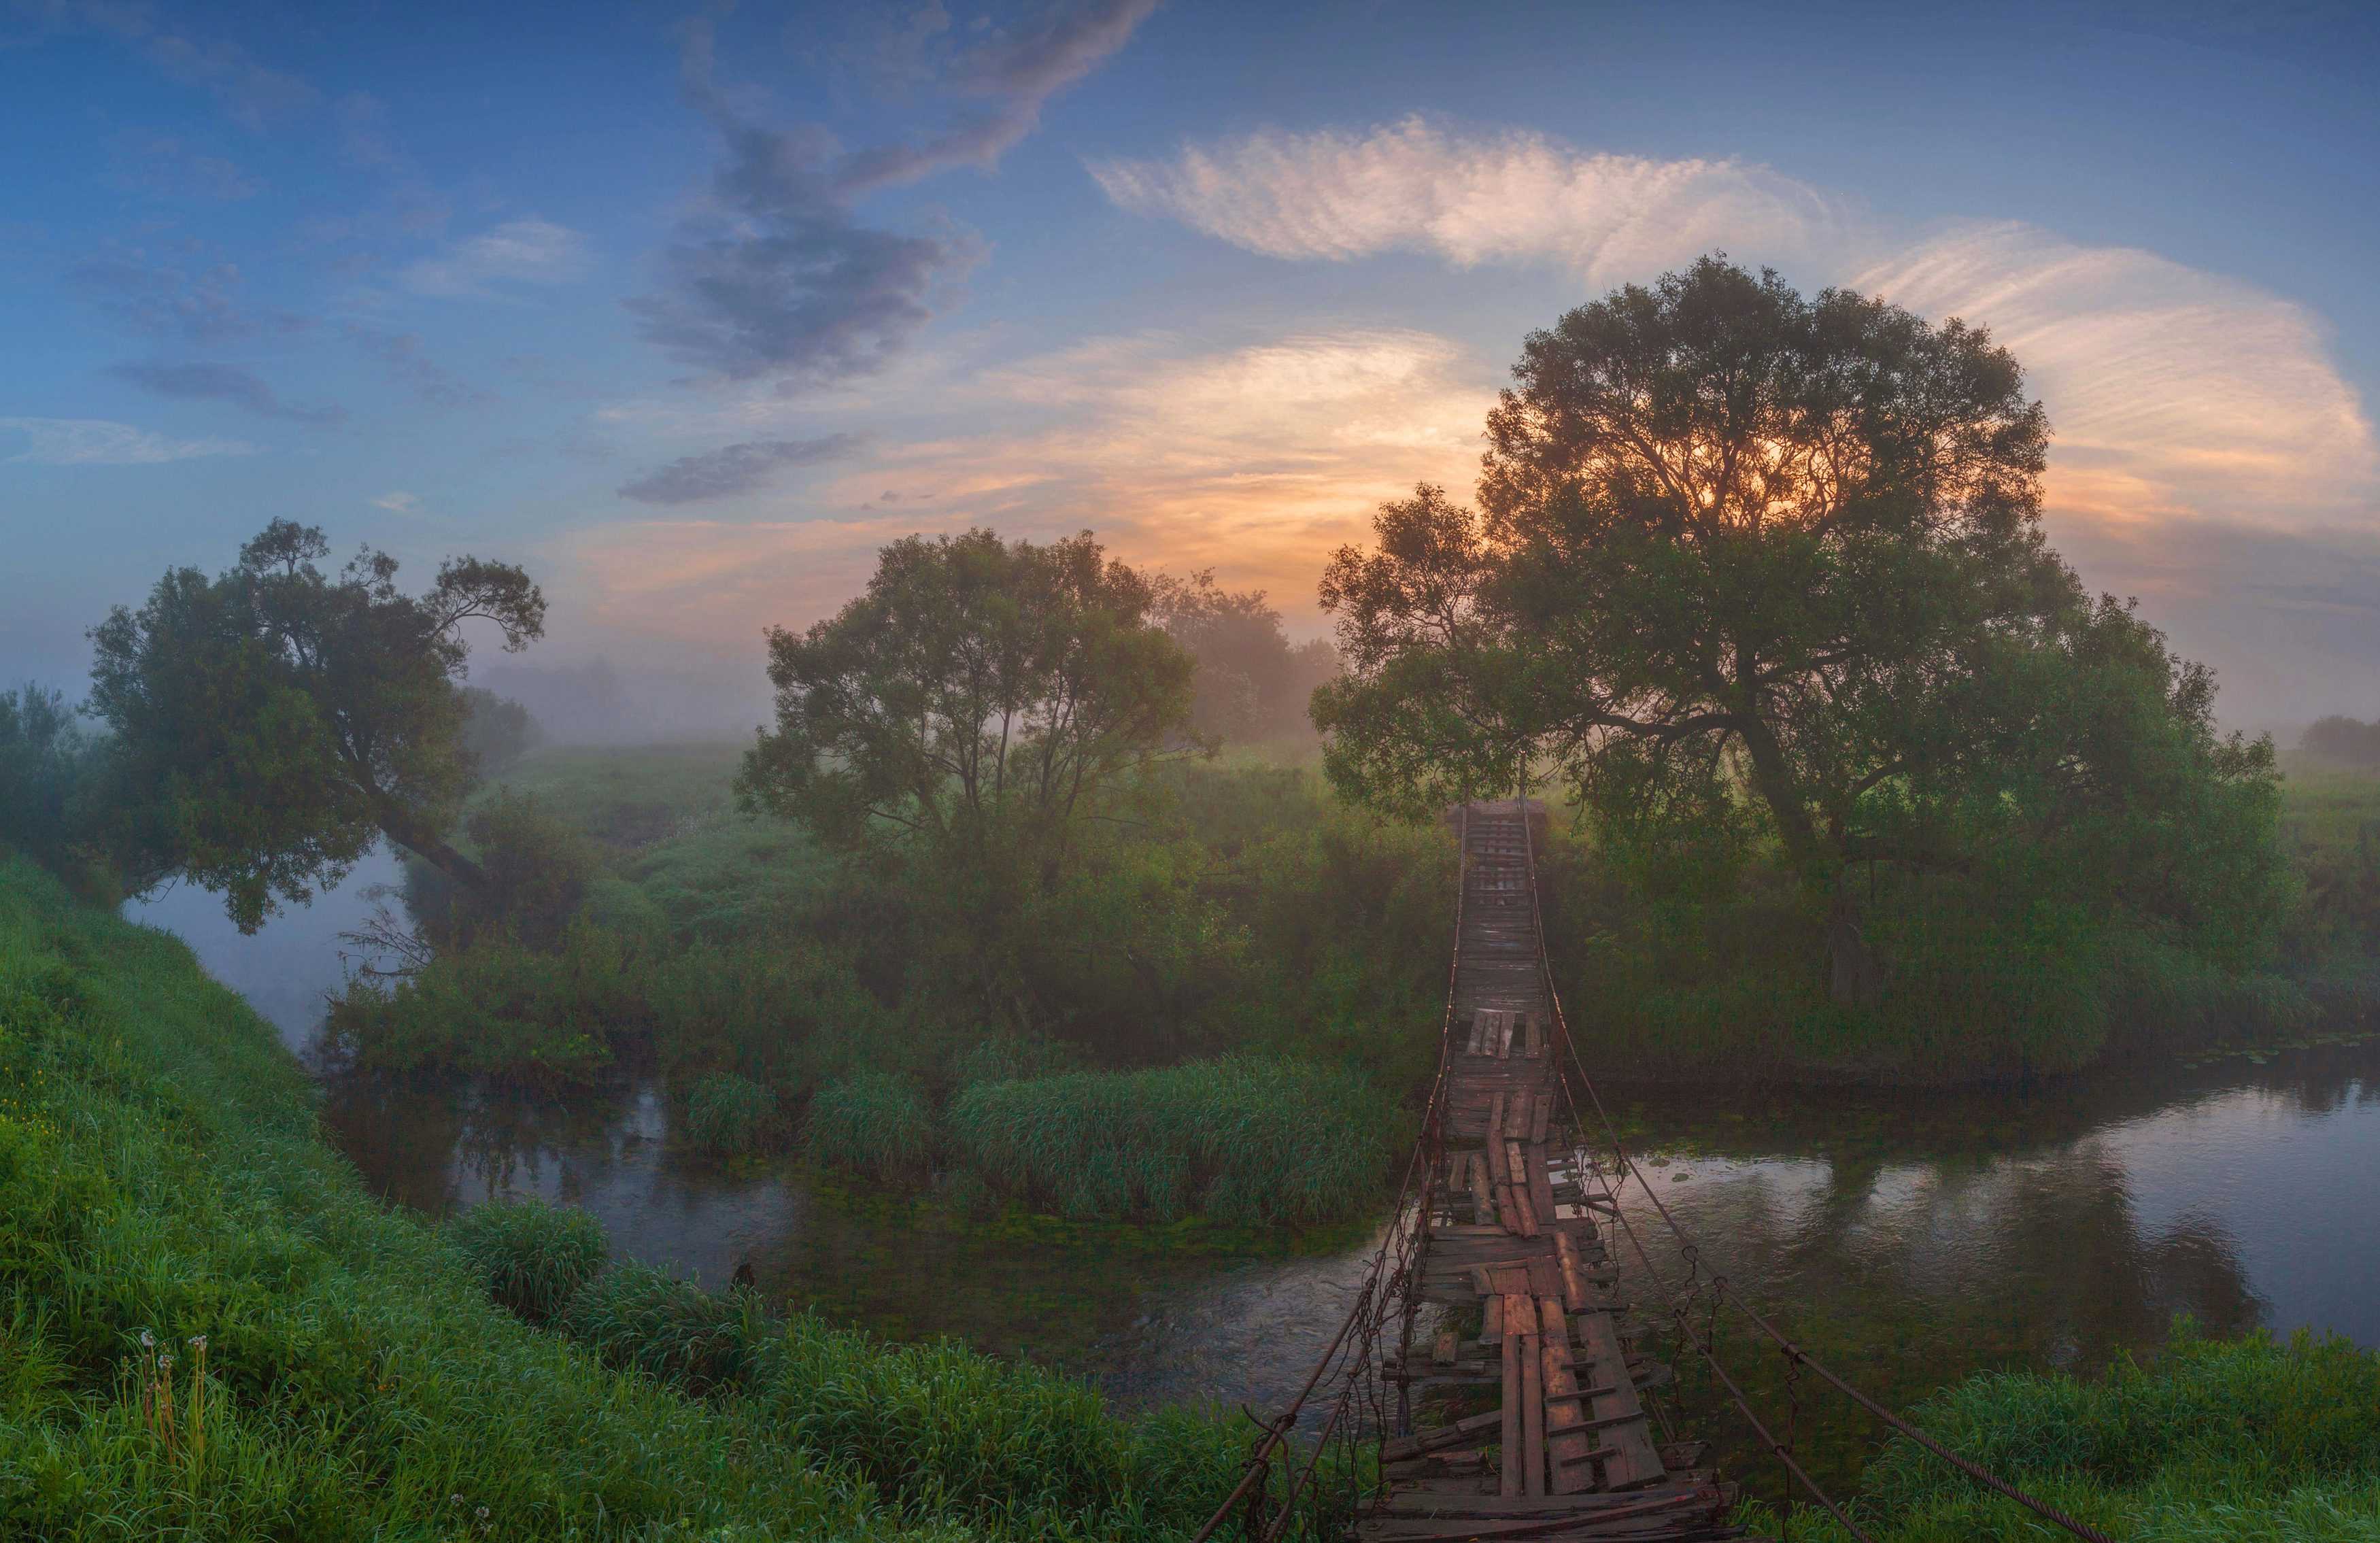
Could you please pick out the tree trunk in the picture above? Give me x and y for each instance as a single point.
(1854, 973)
(434, 851)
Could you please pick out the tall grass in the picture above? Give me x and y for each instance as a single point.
(1241, 1140)
(640, 1316)
(2252, 1439)
(873, 1124)
(532, 1255)
(727, 1115)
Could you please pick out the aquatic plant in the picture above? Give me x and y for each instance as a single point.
(873, 1124)
(1238, 1139)
(532, 1255)
(727, 1115)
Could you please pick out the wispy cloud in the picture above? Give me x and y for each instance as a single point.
(165, 167)
(1253, 458)
(772, 276)
(248, 92)
(524, 252)
(170, 289)
(1511, 197)
(96, 442)
(408, 365)
(735, 469)
(2173, 392)
(223, 382)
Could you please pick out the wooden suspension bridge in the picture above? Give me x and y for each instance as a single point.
(1510, 1230)
(1510, 1235)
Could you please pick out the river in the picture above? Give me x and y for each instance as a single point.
(1909, 1238)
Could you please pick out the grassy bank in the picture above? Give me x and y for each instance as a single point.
(2240, 1439)
(160, 1171)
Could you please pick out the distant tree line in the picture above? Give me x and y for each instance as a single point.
(2346, 740)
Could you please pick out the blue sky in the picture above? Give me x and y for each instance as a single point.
(689, 310)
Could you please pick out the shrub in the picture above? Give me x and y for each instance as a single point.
(635, 1316)
(1242, 1140)
(873, 1124)
(532, 1255)
(728, 1115)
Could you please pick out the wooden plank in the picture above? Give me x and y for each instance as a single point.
(1441, 1349)
(1446, 1438)
(1572, 1273)
(1618, 1413)
(1533, 1401)
(1542, 1120)
(1510, 1476)
(1541, 1184)
(1567, 1439)
(1495, 1151)
(1482, 1193)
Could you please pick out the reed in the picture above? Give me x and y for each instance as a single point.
(729, 1116)
(873, 1124)
(1240, 1140)
(532, 1255)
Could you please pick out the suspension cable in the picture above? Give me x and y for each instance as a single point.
(1792, 1352)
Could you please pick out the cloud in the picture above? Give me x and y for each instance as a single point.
(94, 441)
(396, 502)
(2172, 393)
(163, 167)
(528, 251)
(223, 382)
(1255, 458)
(772, 276)
(247, 92)
(735, 469)
(408, 365)
(1512, 197)
(163, 291)
(1013, 73)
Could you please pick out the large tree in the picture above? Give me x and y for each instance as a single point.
(1744, 555)
(981, 694)
(960, 724)
(272, 722)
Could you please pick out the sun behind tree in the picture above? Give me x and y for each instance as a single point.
(1755, 572)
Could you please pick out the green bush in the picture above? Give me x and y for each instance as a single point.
(532, 1255)
(727, 1115)
(640, 1316)
(872, 1123)
(1240, 1140)
(2245, 1439)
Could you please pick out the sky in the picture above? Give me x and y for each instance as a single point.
(689, 310)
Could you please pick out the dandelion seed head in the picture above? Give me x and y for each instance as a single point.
(148, 1339)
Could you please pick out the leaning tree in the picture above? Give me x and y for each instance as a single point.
(269, 723)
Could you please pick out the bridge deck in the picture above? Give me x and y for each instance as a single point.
(1510, 1233)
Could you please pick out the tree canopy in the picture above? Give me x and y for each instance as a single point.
(269, 723)
(978, 693)
(1253, 683)
(1747, 559)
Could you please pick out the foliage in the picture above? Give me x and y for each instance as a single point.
(535, 873)
(2348, 741)
(272, 723)
(1252, 684)
(965, 717)
(47, 765)
(637, 1317)
(533, 1256)
(1242, 1141)
(1763, 578)
(727, 1115)
(873, 1124)
(2248, 1439)
(497, 730)
(501, 1009)
(163, 1172)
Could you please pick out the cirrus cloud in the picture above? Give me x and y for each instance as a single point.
(96, 442)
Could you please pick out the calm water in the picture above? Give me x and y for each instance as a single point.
(1909, 1238)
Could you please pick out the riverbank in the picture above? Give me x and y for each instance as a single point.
(338, 1371)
